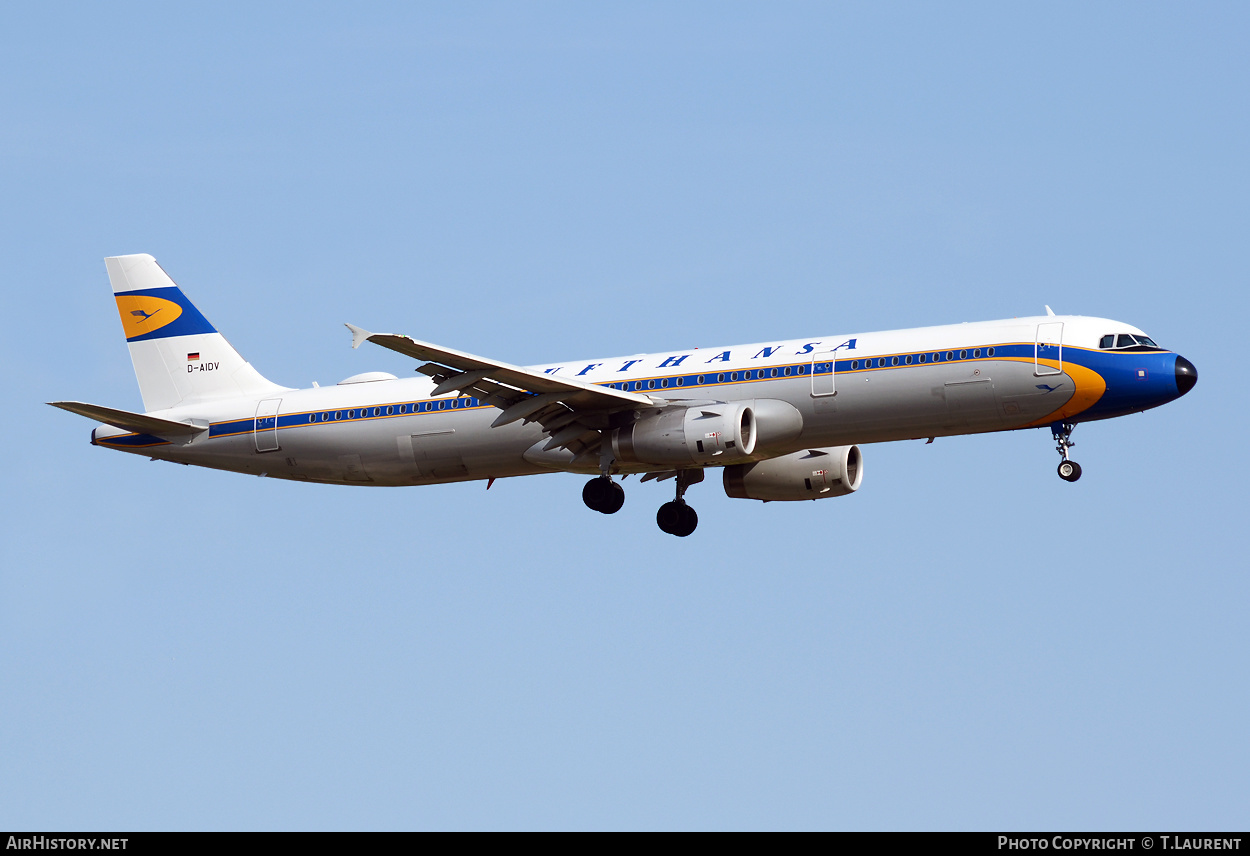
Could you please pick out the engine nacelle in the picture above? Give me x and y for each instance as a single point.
(688, 435)
(810, 474)
(777, 425)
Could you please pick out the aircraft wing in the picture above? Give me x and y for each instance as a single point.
(573, 412)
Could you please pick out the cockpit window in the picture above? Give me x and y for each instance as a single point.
(1128, 341)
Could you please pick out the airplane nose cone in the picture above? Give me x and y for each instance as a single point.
(1186, 375)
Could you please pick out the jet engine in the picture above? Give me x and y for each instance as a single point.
(809, 474)
(682, 436)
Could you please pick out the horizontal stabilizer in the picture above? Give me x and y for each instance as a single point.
(128, 421)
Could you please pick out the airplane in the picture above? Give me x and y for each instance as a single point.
(782, 420)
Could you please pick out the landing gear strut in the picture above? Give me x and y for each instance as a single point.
(677, 518)
(1062, 432)
(603, 495)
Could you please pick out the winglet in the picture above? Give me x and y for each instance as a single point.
(359, 335)
(1050, 312)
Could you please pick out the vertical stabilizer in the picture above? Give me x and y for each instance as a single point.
(179, 357)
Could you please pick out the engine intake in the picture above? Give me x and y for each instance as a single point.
(810, 474)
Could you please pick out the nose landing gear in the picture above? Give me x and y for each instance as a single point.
(1062, 432)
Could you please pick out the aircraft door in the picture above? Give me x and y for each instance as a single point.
(823, 373)
(1048, 347)
(265, 427)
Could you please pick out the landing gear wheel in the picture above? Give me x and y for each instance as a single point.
(667, 517)
(603, 495)
(1069, 470)
(616, 499)
(677, 518)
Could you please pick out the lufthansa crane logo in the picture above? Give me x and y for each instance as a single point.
(142, 313)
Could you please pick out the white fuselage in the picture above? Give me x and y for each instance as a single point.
(848, 388)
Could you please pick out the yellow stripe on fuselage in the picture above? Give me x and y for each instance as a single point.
(1089, 387)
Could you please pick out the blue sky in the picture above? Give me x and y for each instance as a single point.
(968, 642)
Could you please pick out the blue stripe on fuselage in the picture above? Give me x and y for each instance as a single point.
(1128, 390)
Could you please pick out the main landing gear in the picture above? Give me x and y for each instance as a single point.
(1062, 432)
(606, 496)
(603, 495)
(677, 518)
